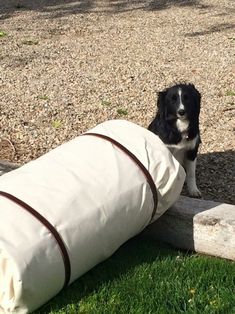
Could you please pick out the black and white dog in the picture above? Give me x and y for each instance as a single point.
(177, 125)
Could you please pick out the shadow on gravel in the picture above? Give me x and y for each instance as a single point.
(215, 176)
(213, 29)
(58, 8)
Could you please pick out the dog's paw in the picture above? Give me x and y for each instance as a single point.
(195, 193)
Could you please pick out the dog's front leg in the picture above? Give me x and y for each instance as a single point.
(190, 167)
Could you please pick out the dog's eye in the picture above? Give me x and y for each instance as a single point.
(185, 97)
(174, 97)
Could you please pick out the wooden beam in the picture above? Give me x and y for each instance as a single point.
(195, 224)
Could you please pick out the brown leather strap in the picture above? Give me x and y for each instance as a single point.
(51, 228)
(137, 162)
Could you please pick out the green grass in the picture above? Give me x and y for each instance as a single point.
(144, 277)
(30, 42)
(122, 111)
(56, 124)
(106, 103)
(43, 97)
(230, 93)
(3, 34)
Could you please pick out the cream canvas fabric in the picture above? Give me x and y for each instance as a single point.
(94, 195)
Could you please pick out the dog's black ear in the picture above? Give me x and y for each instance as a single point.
(161, 112)
(197, 94)
(161, 104)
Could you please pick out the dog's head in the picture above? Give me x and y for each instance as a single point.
(181, 101)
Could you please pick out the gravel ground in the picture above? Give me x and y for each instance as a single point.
(67, 65)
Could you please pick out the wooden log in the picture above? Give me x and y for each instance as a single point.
(194, 224)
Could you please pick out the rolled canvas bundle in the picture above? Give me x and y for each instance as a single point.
(70, 209)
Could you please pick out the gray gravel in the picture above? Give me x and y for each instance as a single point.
(67, 65)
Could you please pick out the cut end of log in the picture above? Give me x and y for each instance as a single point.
(203, 226)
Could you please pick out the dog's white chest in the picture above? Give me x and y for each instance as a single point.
(182, 125)
(178, 150)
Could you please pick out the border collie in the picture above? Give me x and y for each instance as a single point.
(177, 125)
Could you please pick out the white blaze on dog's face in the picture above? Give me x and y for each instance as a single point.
(182, 122)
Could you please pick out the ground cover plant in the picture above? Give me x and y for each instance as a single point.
(144, 276)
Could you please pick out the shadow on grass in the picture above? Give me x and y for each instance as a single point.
(133, 253)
